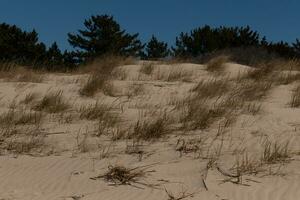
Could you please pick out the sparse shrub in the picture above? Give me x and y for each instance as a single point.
(52, 103)
(295, 100)
(217, 64)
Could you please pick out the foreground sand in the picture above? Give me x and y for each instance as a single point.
(63, 170)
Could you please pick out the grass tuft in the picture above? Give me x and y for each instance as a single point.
(52, 103)
(275, 152)
(147, 68)
(216, 64)
(295, 99)
(211, 88)
(150, 129)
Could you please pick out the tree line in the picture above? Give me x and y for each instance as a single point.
(103, 35)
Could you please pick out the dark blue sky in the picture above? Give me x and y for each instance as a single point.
(53, 19)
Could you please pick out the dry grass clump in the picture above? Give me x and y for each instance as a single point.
(187, 146)
(275, 152)
(287, 78)
(29, 76)
(96, 111)
(135, 90)
(24, 145)
(103, 71)
(201, 116)
(13, 117)
(216, 64)
(147, 68)
(211, 88)
(14, 72)
(109, 89)
(151, 129)
(103, 113)
(106, 64)
(178, 74)
(200, 113)
(29, 98)
(94, 83)
(119, 73)
(253, 108)
(246, 165)
(7, 69)
(52, 102)
(295, 99)
(120, 175)
(175, 73)
(263, 71)
(252, 90)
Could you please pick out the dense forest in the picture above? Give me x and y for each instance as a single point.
(103, 35)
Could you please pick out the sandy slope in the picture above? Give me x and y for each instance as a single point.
(65, 173)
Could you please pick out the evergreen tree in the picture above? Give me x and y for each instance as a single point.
(155, 49)
(54, 56)
(206, 39)
(296, 47)
(103, 35)
(20, 46)
(281, 48)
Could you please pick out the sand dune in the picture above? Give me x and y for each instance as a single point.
(62, 170)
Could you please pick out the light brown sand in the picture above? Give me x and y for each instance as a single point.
(65, 173)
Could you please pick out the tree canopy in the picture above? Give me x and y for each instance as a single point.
(103, 35)
(155, 49)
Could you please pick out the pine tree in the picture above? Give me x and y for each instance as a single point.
(54, 56)
(20, 46)
(103, 35)
(156, 49)
(296, 47)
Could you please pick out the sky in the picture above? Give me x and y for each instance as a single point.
(53, 19)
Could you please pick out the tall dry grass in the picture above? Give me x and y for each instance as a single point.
(102, 70)
(295, 98)
(52, 102)
(217, 64)
(211, 88)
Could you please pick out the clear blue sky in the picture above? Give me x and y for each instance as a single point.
(53, 19)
